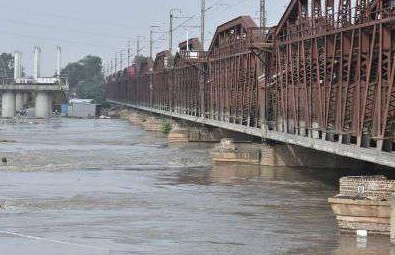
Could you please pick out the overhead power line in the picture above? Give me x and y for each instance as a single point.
(55, 40)
(188, 19)
(68, 17)
(30, 24)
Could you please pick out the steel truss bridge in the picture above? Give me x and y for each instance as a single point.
(323, 78)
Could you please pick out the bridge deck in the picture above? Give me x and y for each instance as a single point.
(351, 151)
(318, 79)
(31, 87)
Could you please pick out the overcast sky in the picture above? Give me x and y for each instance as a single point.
(102, 28)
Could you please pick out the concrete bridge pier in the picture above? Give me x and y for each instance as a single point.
(392, 219)
(277, 155)
(19, 102)
(44, 104)
(229, 151)
(8, 104)
(185, 132)
(25, 98)
(285, 155)
(178, 134)
(152, 124)
(135, 118)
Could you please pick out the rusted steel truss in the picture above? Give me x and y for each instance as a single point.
(188, 78)
(161, 86)
(221, 84)
(327, 71)
(232, 87)
(332, 74)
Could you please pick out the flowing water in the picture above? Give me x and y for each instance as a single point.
(106, 187)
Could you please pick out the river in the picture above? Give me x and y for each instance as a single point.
(78, 187)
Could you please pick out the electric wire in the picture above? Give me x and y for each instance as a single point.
(63, 29)
(67, 17)
(217, 3)
(55, 40)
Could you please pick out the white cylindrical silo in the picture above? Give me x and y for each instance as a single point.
(19, 105)
(58, 60)
(37, 62)
(17, 64)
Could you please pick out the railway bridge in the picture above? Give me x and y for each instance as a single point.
(323, 78)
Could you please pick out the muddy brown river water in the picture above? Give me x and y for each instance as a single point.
(79, 187)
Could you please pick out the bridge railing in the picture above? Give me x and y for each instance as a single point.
(64, 83)
(61, 81)
(6, 81)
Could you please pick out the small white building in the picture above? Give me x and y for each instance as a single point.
(83, 108)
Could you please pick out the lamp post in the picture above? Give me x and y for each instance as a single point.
(172, 11)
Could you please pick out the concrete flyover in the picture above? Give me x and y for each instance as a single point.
(15, 91)
(14, 96)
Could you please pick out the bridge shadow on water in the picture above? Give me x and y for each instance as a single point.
(239, 173)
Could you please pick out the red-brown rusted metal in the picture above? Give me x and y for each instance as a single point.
(161, 82)
(326, 71)
(333, 73)
(232, 87)
(188, 76)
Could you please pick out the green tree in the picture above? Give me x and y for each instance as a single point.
(86, 78)
(6, 65)
(141, 60)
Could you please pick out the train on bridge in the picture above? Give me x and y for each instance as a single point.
(325, 73)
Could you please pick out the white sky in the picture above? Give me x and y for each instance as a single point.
(102, 28)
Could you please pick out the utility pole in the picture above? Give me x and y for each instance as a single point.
(138, 46)
(116, 64)
(151, 42)
(58, 60)
(263, 15)
(187, 40)
(120, 60)
(171, 29)
(171, 32)
(129, 53)
(202, 21)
